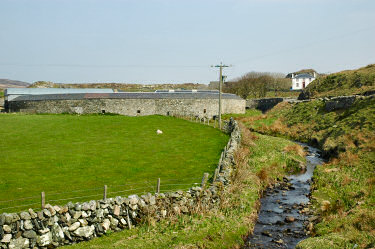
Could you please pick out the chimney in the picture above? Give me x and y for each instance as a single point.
(292, 75)
(314, 74)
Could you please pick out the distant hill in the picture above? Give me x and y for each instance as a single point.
(120, 86)
(5, 83)
(348, 82)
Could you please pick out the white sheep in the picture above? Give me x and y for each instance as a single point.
(159, 132)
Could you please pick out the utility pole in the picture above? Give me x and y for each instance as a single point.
(220, 83)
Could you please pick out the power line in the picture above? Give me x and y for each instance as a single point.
(282, 51)
(101, 66)
(312, 43)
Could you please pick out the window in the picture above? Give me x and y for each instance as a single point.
(103, 111)
(297, 85)
(168, 113)
(204, 110)
(138, 111)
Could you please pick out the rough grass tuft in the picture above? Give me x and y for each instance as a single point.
(295, 148)
(262, 175)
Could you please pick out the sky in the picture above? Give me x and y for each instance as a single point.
(177, 41)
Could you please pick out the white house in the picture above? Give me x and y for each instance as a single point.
(300, 81)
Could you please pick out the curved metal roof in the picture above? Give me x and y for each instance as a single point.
(40, 91)
(127, 95)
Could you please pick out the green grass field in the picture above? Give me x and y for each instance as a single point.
(69, 156)
(225, 227)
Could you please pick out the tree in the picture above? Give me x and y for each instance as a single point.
(257, 84)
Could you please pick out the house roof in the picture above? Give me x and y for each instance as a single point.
(127, 95)
(304, 75)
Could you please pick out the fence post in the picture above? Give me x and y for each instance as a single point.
(128, 219)
(105, 193)
(43, 195)
(216, 173)
(158, 186)
(204, 180)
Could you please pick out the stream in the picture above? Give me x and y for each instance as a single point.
(284, 211)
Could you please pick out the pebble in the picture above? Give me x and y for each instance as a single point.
(280, 241)
(289, 219)
(266, 233)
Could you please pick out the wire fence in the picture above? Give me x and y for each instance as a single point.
(37, 202)
(202, 119)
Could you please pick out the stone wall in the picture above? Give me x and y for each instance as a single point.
(263, 104)
(132, 107)
(74, 222)
(331, 103)
(337, 103)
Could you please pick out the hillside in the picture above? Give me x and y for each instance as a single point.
(6, 83)
(349, 82)
(343, 188)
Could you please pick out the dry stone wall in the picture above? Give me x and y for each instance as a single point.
(263, 104)
(331, 103)
(338, 103)
(74, 222)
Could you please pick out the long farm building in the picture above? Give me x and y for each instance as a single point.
(86, 101)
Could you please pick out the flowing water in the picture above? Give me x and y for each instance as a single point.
(284, 211)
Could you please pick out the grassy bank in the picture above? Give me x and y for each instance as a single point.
(69, 156)
(343, 190)
(344, 83)
(282, 94)
(260, 161)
